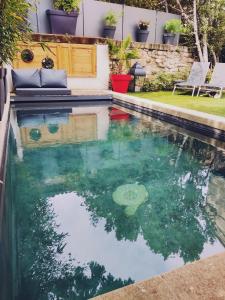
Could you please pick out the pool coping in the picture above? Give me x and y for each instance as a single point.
(210, 125)
(206, 124)
(203, 279)
(4, 130)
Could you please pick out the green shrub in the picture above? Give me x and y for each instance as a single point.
(13, 27)
(121, 53)
(111, 19)
(174, 26)
(163, 81)
(67, 5)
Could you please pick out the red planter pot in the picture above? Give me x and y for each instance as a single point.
(120, 82)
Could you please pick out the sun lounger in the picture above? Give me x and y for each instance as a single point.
(217, 82)
(196, 77)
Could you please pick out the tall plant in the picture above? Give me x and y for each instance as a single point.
(13, 27)
(122, 53)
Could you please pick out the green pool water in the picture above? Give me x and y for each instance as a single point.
(103, 199)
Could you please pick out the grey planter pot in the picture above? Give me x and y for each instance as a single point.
(109, 32)
(3, 90)
(170, 39)
(142, 35)
(61, 22)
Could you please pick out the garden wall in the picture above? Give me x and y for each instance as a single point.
(90, 20)
(163, 58)
(158, 58)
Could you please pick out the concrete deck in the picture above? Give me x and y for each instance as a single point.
(203, 280)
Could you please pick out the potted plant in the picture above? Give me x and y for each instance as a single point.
(171, 30)
(142, 31)
(12, 30)
(110, 21)
(120, 54)
(63, 18)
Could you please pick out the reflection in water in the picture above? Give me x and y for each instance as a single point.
(77, 240)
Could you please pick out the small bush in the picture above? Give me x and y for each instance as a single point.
(111, 18)
(67, 5)
(163, 81)
(174, 26)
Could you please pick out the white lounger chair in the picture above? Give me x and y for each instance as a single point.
(217, 82)
(195, 79)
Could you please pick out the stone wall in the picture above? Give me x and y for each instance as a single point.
(164, 58)
(156, 58)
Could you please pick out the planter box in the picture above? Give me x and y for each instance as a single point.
(142, 35)
(61, 22)
(120, 82)
(109, 32)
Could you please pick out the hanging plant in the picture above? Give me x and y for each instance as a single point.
(35, 134)
(47, 63)
(27, 55)
(53, 128)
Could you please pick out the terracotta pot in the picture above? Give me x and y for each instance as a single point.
(120, 82)
(61, 22)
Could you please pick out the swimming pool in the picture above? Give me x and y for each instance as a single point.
(102, 198)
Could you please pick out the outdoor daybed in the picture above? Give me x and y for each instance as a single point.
(44, 82)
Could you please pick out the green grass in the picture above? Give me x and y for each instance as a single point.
(204, 104)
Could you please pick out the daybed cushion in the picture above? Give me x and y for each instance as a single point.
(53, 78)
(26, 78)
(31, 121)
(43, 92)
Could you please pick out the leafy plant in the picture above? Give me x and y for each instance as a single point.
(143, 25)
(13, 27)
(121, 54)
(67, 5)
(174, 26)
(163, 81)
(111, 19)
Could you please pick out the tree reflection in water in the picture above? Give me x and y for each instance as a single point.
(45, 272)
(173, 220)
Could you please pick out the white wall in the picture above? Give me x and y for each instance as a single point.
(101, 81)
(3, 123)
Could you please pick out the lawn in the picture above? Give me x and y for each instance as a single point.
(204, 104)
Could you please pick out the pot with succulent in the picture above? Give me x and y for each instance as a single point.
(63, 18)
(121, 54)
(110, 22)
(142, 32)
(12, 30)
(172, 29)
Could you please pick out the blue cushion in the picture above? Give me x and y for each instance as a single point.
(26, 78)
(53, 78)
